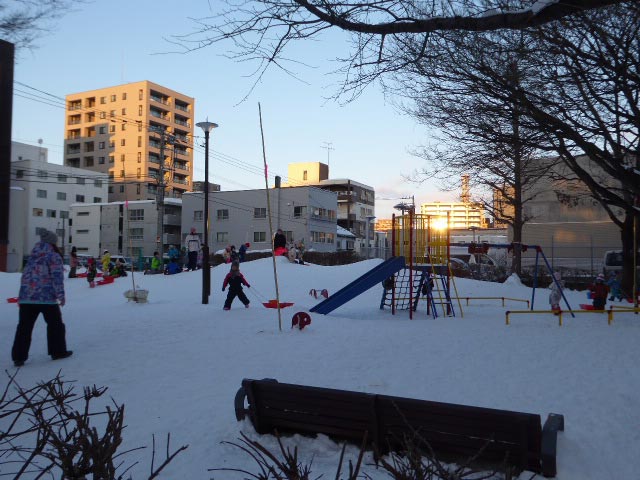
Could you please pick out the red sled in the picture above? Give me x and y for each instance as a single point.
(586, 306)
(105, 280)
(274, 304)
(12, 300)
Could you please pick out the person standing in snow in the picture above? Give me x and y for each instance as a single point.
(106, 261)
(73, 262)
(279, 243)
(192, 244)
(242, 251)
(615, 287)
(556, 292)
(235, 280)
(41, 292)
(92, 271)
(599, 292)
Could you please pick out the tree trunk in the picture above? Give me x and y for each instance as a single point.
(626, 234)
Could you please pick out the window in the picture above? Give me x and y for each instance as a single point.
(113, 98)
(41, 194)
(222, 214)
(139, 157)
(112, 113)
(123, 127)
(198, 216)
(80, 198)
(111, 159)
(103, 100)
(37, 212)
(121, 173)
(123, 142)
(139, 173)
(136, 233)
(19, 173)
(122, 157)
(124, 112)
(61, 196)
(259, 213)
(139, 141)
(112, 129)
(64, 214)
(82, 232)
(102, 130)
(304, 175)
(140, 94)
(138, 189)
(101, 145)
(121, 188)
(42, 174)
(51, 213)
(222, 237)
(136, 214)
(259, 237)
(139, 125)
(299, 212)
(139, 110)
(97, 199)
(112, 143)
(124, 96)
(83, 214)
(103, 115)
(80, 181)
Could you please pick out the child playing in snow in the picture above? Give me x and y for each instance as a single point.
(615, 286)
(235, 279)
(556, 292)
(92, 271)
(599, 292)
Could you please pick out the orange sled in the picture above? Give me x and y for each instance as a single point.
(274, 304)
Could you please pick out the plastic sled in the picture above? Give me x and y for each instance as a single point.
(586, 306)
(274, 304)
(314, 293)
(12, 300)
(301, 320)
(105, 280)
(81, 275)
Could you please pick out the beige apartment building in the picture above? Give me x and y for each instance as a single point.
(140, 134)
(461, 214)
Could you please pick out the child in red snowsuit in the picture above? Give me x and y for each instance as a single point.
(235, 280)
(599, 291)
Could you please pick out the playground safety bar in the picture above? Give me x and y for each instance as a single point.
(610, 313)
(493, 298)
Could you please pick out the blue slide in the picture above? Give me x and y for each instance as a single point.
(360, 285)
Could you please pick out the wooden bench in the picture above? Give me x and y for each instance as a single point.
(452, 431)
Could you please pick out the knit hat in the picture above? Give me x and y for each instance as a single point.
(48, 236)
(600, 277)
(106, 251)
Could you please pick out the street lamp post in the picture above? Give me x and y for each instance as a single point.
(206, 271)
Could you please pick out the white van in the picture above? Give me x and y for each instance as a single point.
(612, 261)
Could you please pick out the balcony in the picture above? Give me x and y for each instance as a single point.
(182, 122)
(154, 159)
(154, 144)
(183, 181)
(159, 114)
(178, 151)
(73, 149)
(181, 166)
(184, 108)
(159, 98)
(172, 220)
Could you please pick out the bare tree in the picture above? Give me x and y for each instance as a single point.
(23, 21)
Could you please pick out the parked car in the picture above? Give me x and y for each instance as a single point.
(612, 262)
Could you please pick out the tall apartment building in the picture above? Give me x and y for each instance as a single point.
(461, 214)
(140, 134)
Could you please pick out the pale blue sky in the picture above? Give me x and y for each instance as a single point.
(97, 45)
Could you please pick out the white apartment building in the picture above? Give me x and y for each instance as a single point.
(303, 213)
(460, 214)
(124, 228)
(41, 196)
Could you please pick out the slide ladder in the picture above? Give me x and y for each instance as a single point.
(360, 285)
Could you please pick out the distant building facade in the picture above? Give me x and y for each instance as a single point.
(460, 214)
(139, 134)
(41, 197)
(237, 217)
(356, 201)
(128, 229)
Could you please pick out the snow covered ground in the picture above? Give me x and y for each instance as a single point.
(176, 364)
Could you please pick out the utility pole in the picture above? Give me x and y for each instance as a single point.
(160, 190)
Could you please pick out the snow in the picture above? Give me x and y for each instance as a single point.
(176, 364)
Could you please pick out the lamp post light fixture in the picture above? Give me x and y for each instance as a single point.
(206, 271)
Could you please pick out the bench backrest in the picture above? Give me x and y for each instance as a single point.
(451, 431)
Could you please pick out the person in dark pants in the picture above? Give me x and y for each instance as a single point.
(41, 292)
(279, 243)
(192, 245)
(235, 280)
(73, 262)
